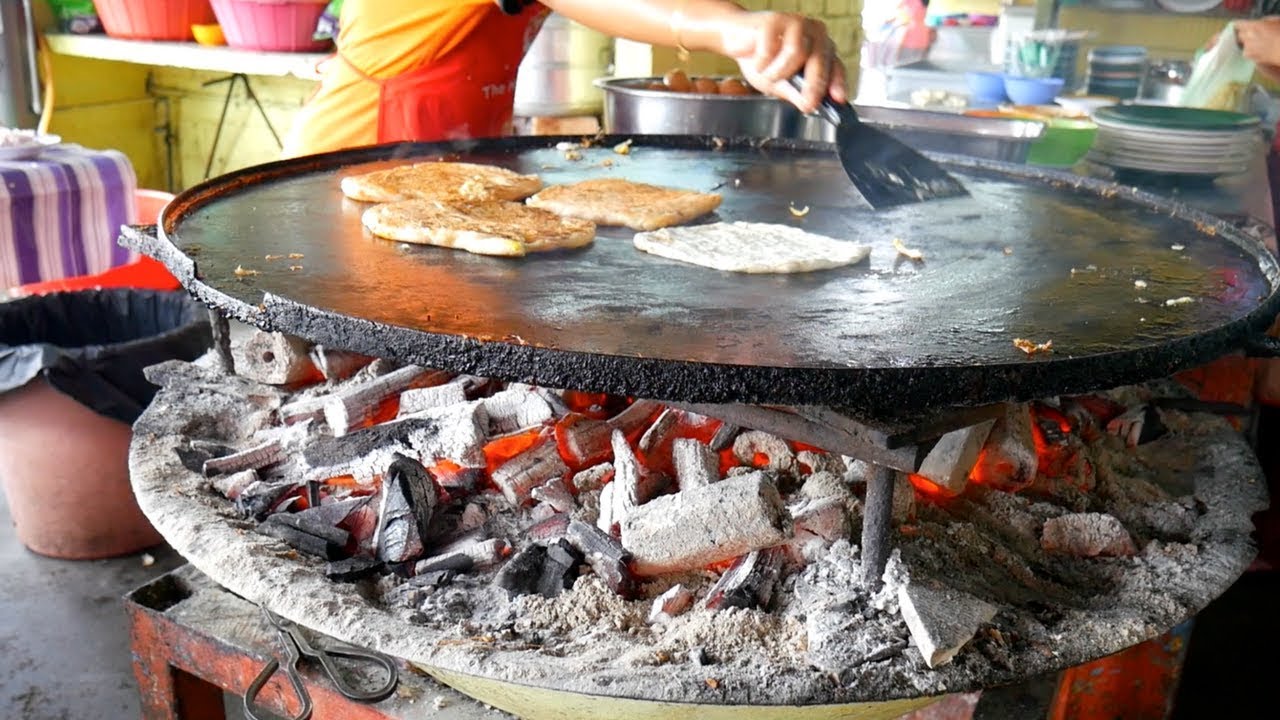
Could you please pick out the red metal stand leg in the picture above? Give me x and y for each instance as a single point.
(1137, 684)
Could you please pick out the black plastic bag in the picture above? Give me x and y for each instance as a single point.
(93, 345)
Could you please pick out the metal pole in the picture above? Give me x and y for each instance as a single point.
(877, 523)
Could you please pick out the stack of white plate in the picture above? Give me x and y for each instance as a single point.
(1175, 140)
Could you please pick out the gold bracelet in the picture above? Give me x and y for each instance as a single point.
(677, 27)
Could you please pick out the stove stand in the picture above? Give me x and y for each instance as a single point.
(193, 641)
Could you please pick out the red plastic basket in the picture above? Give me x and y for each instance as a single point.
(153, 19)
(281, 25)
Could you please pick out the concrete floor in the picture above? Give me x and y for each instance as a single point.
(64, 645)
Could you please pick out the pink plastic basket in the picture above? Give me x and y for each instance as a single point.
(285, 25)
(153, 19)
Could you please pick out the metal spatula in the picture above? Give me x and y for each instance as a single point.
(885, 171)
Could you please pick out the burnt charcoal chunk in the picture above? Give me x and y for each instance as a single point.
(456, 562)
(604, 554)
(522, 573)
(328, 544)
(325, 451)
(418, 488)
(353, 569)
(560, 568)
(435, 578)
(258, 499)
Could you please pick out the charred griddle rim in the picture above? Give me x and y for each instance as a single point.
(881, 392)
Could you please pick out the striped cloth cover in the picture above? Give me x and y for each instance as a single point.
(60, 214)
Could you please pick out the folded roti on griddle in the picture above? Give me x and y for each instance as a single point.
(440, 181)
(748, 247)
(613, 201)
(491, 227)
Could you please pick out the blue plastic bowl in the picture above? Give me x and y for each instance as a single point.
(1032, 91)
(986, 86)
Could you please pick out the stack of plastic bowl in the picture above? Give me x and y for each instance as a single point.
(1117, 70)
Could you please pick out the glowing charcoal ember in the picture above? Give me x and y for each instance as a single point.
(671, 603)
(695, 464)
(633, 420)
(749, 583)
(812, 461)
(583, 441)
(951, 460)
(700, 527)
(765, 451)
(416, 400)
(1087, 535)
(517, 477)
(359, 405)
(1008, 460)
(516, 409)
(593, 478)
(941, 620)
(555, 494)
(662, 427)
(456, 480)
(336, 364)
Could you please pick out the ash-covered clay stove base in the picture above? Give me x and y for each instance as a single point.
(1150, 593)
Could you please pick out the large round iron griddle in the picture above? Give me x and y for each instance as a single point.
(1032, 254)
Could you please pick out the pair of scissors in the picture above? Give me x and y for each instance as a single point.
(296, 646)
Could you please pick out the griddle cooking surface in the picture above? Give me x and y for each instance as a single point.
(1029, 255)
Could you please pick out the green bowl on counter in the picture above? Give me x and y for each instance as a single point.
(1064, 142)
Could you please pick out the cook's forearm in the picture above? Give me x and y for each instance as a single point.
(691, 23)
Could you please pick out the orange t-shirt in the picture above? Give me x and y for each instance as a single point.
(381, 39)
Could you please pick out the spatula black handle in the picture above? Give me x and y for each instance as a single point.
(833, 112)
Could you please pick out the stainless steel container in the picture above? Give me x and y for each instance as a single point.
(557, 73)
(631, 108)
(1165, 81)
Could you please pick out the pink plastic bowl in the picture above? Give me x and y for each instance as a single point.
(282, 25)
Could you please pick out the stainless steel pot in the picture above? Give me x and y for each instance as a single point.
(1165, 81)
(557, 73)
(632, 109)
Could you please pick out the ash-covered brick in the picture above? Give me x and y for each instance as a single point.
(1087, 535)
(700, 527)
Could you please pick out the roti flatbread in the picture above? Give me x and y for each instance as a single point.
(613, 201)
(493, 227)
(751, 247)
(440, 181)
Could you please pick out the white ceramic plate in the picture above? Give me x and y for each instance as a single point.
(29, 150)
(1188, 6)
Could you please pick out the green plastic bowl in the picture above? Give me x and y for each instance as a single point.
(1064, 142)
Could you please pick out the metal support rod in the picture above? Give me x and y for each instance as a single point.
(222, 341)
(231, 80)
(877, 522)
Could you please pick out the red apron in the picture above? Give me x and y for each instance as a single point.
(467, 93)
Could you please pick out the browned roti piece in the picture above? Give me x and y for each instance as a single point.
(491, 227)
(613, 201)
(440, 181)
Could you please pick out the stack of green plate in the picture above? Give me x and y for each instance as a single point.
(1175, 140)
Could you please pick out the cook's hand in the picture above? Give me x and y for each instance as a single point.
(772, 46)
(1260, 42)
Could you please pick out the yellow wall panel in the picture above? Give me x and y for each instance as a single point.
(246, 139)
(103, 104)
